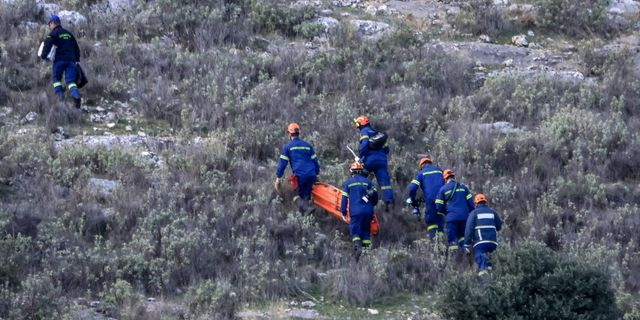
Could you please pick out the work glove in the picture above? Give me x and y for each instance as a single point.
(416, 213)
(276, 184)
(409, 202)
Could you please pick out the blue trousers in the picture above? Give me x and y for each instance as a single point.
(69, 70)
(481, 252)
(381, 171)
(434, 221)
(455, 234)
(305, 184)
(360, 228)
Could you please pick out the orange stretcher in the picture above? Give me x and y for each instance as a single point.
(329, 198)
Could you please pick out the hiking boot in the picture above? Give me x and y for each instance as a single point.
(357, 249)
(389, 205)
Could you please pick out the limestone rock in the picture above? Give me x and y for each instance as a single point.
(102, 187)
(371, 30)
(520, 41)
(73, 18)
(330, 24)
(485, 38)
(30, 117)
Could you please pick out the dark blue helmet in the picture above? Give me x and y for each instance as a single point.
(55, 19)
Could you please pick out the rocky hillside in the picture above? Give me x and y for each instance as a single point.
(158, 202)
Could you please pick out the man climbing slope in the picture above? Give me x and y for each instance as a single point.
(454, 201)
(430, 180)
(360, 196)
(373, 154)
(481, 231)
(67, 55)
(304, 164)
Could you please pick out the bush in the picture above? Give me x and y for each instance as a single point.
(481, 17)
(212, 300)
(532, 282)
(575, 19)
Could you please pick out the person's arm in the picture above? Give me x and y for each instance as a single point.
(48, 44)
(468, 231)
(284, 160)
(386, 149)
(374, 197)
(440, 205)
(314, 157)
(469, 198)
(364, 146)
(345, 198)
(413, 188)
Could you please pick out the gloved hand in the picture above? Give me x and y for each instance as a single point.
(409, 202)
(276, 184)
(358, 160)
(467, 251)
(416, 213)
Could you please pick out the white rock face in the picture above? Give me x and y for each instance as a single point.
(73, 18)
(371, 30)
(500, 126)
(623, 12)
(330, 24)
(520, 41)
(102, 187)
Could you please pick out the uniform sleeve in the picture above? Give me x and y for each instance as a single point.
(48, 43)
(468, 231)
(284, 160)
(469, 197)
(364, 146)
(76, 49)
(413, 187)
(374, 197)
(316, 164)
(345, 198)
(440, 205)
(386, 149)
(498, 221)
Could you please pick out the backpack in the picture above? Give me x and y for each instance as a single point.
(81, 77)
(378, 140)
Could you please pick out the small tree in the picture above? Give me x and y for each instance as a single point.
(532, 282)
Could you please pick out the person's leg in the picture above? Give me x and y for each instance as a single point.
(452, 236)
(365, 230)
(460, 227)
(305, 185)
(56, 78)
(355, 225)
(434, 221)
(70, 79)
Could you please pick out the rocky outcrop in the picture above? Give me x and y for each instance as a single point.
(371, 30)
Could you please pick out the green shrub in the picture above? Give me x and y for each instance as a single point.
(576, 19)
(532, 282)
(481, 17)
(212, 300)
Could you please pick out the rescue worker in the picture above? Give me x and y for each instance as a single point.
(66, 56)
(481, 231)
(454, 201)
(375, 160)
(429, 179)
(360, 196)
(304, 164)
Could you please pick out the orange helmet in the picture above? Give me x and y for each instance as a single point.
(424, 160)
(480, 198)
(361, 121)
(447, 174)
(293, 128)
(356, 167)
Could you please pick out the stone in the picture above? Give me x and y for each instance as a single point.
(622, 13)
(330, 24)
(485, 38)
(142, 134)
(128, 128)
(48, 9)
(111, 125)
(531, 33)
(100, 109)
(373, 312)
(308, 304)
(508, 63)
(371, 30)
(30, 117)
(102, 187)
(72, 18)
(303, 314)
(520, 41)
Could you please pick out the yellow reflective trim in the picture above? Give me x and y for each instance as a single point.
(416, 182)
(357, 184)
(345, 194)
(469, 196)
(386, 145)
(442, 214)
(355, 239)
(296, 198)
(71, 85)
(431, 227)
(57, 84)
(364, 137)
(386, 188)
(461, 239)
(460, 190)
(432, 172)
(299, 148)
(447, 192)
(451, 248)
(366, 241)
(283, 157)
(439, 201)
(313, 156)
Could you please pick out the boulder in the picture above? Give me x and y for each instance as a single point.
(72, 18)
(485, 38)
(371, 30)
(102, 187)
(330, 24)
(30, 117)
(303, 314)
(499, 127)
(520, 41)
(48, 9)
(622, 13)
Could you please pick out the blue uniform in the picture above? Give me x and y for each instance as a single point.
(376, 161)
(481, 231)
(304, 164)
(67, 54)
(429, 179)
(361, 212)
(454, 200)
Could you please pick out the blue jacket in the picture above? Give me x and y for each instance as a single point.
(454, 205)
(430, 180)
(365, 153)
(304, 162)
(67, 50)
(482, 226)
(352, 191)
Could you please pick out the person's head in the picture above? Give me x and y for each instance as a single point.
(361, 121)
(356, 168)
(54, 21)
(480, 198)
(293, 129)
(424, 161)
(448, 174)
